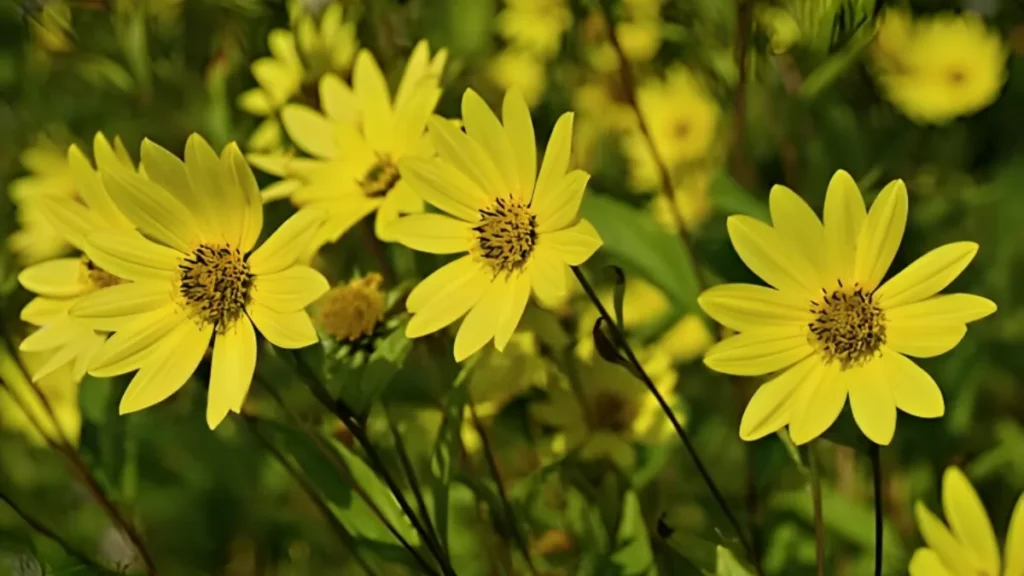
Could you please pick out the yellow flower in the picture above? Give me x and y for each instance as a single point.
(59, 388)
(60, 282)
(49, 175)
(520, 229)
(692, 200)
(352, 311)
(968, 545)
(829, 323)
(358, 141)
(520, 70)
(535, 25)
(683, 119)
(195, 276)
(942, 67)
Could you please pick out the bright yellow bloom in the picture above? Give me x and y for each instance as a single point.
(968, 544)
(59, 388)
(520, 228)
(358, 141)
(938, 68)
(195, 276)
(829, 323)
(517, 69)
(683, 119)
(49, 175)
(535, 25)
(60, 282)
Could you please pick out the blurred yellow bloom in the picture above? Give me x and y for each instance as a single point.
(535, 25)
(968, 544)
(520, 229)
(50, 27)
(691, 197)
(59, 388)
(60, 282)
(683, 119)
(195, 276)
(352, 311)
(49, 175)
(935, 69)
(356, 143)
(829, 323)
(521, 70)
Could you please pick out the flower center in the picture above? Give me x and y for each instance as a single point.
(506, 234)
(380, 178)
(612, 412)
(353, 311)
(849, 327)
(215, 283)
(98, 277)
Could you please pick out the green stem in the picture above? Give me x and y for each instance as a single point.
(819, 522)
(876, 473)
(46, 532)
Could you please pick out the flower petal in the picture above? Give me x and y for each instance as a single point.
(132, 345)
(456, 272)
(338, 101)
(559, 207)
(942, 309)
(512, 310)
(231, 371)
(59, 333)
(244, 224)
(913, 389)
(155, 211)
(925, 562)
(466, 156)
(90, 188)
(548, 277)
(478, 326)
(310, 131)
(123, 299)
(411, 119)
(759, 351)
(1015, 541)
(924, 341)
(447, 304)
(844, 218)
(58, 278)
(881, 235)
(483, 126)
(938, 538)
(170, 173)
(927, 275)
(167, 370)
(400, 201)
(743, 307)
(283, 329)
(763, 251)
(371, 88)
(969, 522)
(41, 311)
(821, 399)
(799, 228)
(287, 243)
(433, 233)
(518, 127)
(130, 256)
(69, 218)
(573, 245)
(289, 290)
(556, 156)
(444, 187)
(872, 403)
(772, 405)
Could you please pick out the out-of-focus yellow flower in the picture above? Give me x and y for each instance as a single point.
(683, 120)
(352, 311)
(935, 69)
(49, 175)
(50, 28)
(536, 26)
(522, 70)
(782, 29)
(59, 388)
(601, 111)
(692, 200)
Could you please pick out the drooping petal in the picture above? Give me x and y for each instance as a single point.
(132, 345)
(799, 228)
(942, 309)
(924, 341)
(913, 389)
(761, 249)
(433, 233)
(881, 235)
(153, 210)
(283, 329)
(820, 401)
(287, 243)
(167, 370)
(560, 206)
(371, 88)
(968, 521)
(772, 405)
(448, 304)
(938, 538)
(123, 299)
(844, 217)
(58, 278)
(759, 352)
(231, 370)
(556, 156)
(573, 245)
(289, 290)
(1015, 541)
(872, 403)
(925, 562)
(548, 276)
(130, 256)
(310, 131)
(483, 126)
(466, 156)
(444, 187)
(743, 307)
(518, 127)
(512, 310)
(927, 275)
(246, 221)
(478, 326)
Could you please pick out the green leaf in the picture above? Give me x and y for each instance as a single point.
(375, 376)
(604, 345)
(632, 238)
(726, 564)
(633, 555)
(729, 197)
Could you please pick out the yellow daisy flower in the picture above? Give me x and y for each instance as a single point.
(195, 276)
(60, 388)
(60, 282)
(968, 545)
(829, 323)
(520, 228)
(942, 67)
(535, 25)
(356, 144)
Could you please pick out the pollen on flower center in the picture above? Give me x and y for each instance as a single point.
(98, 277)
(612, 412)
(215, 284)
(506, 234)
(352, 311)
(380, 178)
(849, 327)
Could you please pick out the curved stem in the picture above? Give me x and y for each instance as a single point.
(876, 473)
(623, 344)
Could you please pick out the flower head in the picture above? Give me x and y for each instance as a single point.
(829, 323)
(357, 142)
(194, 275)
(352, 311)
(518, 229)
(968, 544)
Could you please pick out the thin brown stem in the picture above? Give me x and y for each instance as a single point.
(48, 533)
(740, 163)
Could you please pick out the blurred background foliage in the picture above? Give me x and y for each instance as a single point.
(740, 95)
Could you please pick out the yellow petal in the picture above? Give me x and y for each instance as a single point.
(283, 329)
(287, 243)
(466, 156)
(40, 310)
(153, 210)
(924, 341)
(799, 228)
(170, 173)
(90, 188)
(558, 207)
(455, 273)
(416, 68)
(821, 399)
(245, 222)
(772, 405)
(289, 290)
(478, 326)
(433, 233)
(925, 562)
(123, 299)
(341, 217)
(518, 128)
(938, 538)
(411, 120)
(1015, 541)
(447, 304)
(744, 307)
(927, 275)
(72, 220)
(969, 522)
(913, 389)
(573, 245)
(280, 190)
(942, 309)
(231, 370)
(167, 370)
(310, 131)
(444, 187)
(255, 101)
(512, 310)
(872, 403)
(761, 249)
(844, 218)
(132, 345)
(371, 88)
(548, 276)
(59, 278)
(483, 126)
(556, 156)
(759, 351)
(59, 333)
(881, 235)
(106, 157)
(400, 201)
(132, 257)
(338, 101)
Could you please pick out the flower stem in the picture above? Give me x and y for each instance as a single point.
(876, 473)
(620, 340)
(42, 529)
(819, 522)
